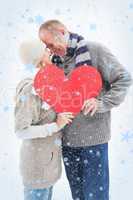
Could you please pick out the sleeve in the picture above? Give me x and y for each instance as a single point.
(27, 108)
(116, 75)
(23, 106)
(37, 131)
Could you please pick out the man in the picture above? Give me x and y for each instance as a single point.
(85, 141)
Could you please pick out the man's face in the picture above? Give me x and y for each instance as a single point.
(55, 42)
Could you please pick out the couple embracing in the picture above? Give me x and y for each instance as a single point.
(81, 141)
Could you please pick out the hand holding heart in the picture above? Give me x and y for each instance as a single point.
(64, 119)
(69, 94)
(90, 105)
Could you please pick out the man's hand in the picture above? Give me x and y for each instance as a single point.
(90, 105)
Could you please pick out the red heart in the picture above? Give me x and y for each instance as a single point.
(67, 94)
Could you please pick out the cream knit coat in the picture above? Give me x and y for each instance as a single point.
(40, 158)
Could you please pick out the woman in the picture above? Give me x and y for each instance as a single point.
(40, 130)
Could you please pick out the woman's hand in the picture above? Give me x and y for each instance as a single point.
(63, 119)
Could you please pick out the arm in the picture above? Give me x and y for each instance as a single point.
(27, 108)
(37, 131)
(116, 75)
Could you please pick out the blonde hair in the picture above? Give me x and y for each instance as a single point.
(52, 25)
(31, 51)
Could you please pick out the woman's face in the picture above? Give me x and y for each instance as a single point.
(45, 59)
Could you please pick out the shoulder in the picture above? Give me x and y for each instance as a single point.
(97, 46)
(102, 53)
(25, 90)
(24, 85)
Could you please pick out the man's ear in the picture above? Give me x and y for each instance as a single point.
(62, 31)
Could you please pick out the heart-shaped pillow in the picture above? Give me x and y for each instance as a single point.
(67, 94)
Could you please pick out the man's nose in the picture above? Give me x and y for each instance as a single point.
(52, 50)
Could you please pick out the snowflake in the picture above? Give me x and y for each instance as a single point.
(5, 154)
(39, 19)
(110, 65)
(65, 79)
(30, 20)
(77, 93)
(77, 159)
(78, 178)
(131, 151)
(65, 159)
(45, 105)
(93, 27)
(29, 67)
(131, 6)
(23, 98)
(6, 108)
(68, 10)
(39, 149)
(38, 90)
(99, 165)
(91, 151)
(57, 142)
(9, 24)
(98, 153)
(51, 87)
(57, 11)
(101, 188)
(127, 136)
(44, 77)
(38, 194)
(33, 91)
(85, 161)
(43, 181)
(22, 16)
(90, 194)
(131, 29)
(99, 173)
(74, 133)
(67, 163)
(78, 26)
(27, 10)
(122, 162)
(38, 181)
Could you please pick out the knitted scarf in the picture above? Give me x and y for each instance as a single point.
(76, 46)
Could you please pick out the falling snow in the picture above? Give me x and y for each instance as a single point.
(57, 142)
(33, 91)
(45, 105)
(32, 18)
